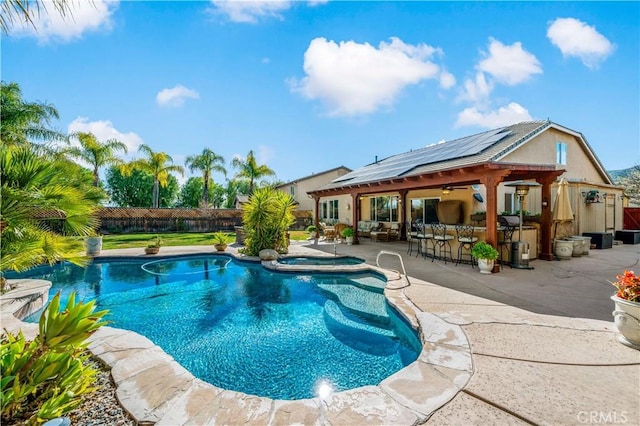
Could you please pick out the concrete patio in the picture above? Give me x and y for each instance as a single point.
(542, 344)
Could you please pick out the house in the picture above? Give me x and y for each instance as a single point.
(299, 188)
(476, 172)
(240, 200)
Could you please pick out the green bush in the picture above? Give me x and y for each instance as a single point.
(484, 250)
(347, 232)
(266, 219)
(219, 238)
(45, 378)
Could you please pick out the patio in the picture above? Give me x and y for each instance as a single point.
(543, 351)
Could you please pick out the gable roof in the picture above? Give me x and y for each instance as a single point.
(314, 175)
(486, 147)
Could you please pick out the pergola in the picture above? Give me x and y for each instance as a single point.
(489, 174)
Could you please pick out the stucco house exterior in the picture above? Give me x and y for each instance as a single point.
(476, 171)
(299, 189)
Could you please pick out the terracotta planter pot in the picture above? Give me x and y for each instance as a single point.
(220, 247)
(151, 250)
(627, 320)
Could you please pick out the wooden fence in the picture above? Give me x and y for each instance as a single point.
(631, 218)
(117, 220)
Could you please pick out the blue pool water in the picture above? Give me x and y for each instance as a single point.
(343, 260)
(241, 327)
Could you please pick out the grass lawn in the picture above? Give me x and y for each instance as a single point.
(120, 241)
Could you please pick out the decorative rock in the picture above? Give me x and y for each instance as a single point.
(268, 254)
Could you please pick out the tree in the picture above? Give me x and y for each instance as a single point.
(135, 190)
(25, 10)
(233, 188)
(158, 164)
(206, 162)
(250, 170)
(39, 195)
(266, 218)
(191, 194)
(631, 183)
(24, 122)
(97, 154)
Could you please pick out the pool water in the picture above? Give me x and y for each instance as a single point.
(342, 260)
(241, 327)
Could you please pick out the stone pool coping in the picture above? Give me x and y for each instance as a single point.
(154, 388)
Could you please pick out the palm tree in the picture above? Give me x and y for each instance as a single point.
(36, 193)
(207, 162)
(158, 164)
(22, 121)
(250, 170)
(97, 154)
(23, 10)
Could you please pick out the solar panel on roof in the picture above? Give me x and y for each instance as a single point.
(399, 164)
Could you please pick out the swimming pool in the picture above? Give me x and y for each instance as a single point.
(241, 327)
(310, 260)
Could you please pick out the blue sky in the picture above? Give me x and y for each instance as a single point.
(310, 86)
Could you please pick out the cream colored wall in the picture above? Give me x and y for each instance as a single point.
(344, 207)
(310, 184)
(542, 150)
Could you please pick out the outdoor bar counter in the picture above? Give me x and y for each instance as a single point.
(529, 235)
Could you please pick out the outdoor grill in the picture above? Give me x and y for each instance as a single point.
(509, 221)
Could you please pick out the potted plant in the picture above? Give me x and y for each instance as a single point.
(627, 308)
(154, 246)
(486, 254)
(220, 241)
(347, 234)
(312, 230)
(93, 245)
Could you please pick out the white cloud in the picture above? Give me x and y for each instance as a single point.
(82, 17)
(355, 79)
(576, 38)
(503, 116)
(104, 130)
(478, 90)
(175, 96)
(250, 11)
(447, 80)
(509, 65)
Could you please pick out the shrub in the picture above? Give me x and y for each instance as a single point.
(45, 378)
(219, 238)
(484, 250)
(266, 218)
(347, 232)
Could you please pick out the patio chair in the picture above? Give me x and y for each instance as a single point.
(441, 240)
(466, 240)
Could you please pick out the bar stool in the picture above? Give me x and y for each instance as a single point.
(442, 240)
(505, 242)
(412, 237)
(466, 240)
(425, 238)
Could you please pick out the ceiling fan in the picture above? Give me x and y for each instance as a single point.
(448, 188)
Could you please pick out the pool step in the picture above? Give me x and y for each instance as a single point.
(358, 301)
(358, 335)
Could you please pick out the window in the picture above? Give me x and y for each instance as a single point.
(384, 209)
(329, 210)
(424, 210)
(292, 189)
(561, 153)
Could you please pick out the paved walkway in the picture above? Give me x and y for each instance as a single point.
(543, 347)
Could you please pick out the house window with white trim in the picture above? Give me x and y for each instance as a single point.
(292, 189)
(424, 210)
(384, 209)
(561, 153)
(329, 210)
